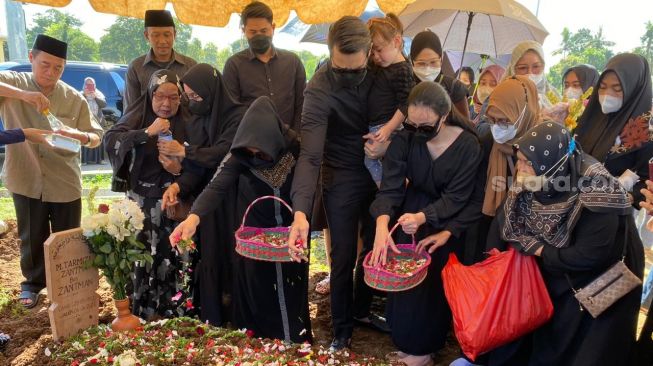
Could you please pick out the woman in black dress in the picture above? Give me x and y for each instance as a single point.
(576, 218)
(144, 172)
(438, 154)
(215, 118)
(614, 128)
(269, 298)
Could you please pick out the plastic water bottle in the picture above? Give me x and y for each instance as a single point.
(57, 140)
(165, 136)
(55, 123)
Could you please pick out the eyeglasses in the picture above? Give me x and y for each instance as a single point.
(173, 98)
(194, 97)
(436, 62)
(523, 69)
(412, 127)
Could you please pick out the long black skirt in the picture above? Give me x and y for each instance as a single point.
(420, 318)
(272, 299)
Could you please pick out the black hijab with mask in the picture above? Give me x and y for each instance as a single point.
(548, 216)
(586, 74)
(597, 131)
(134, 155)
(262, 129)
(214, 120)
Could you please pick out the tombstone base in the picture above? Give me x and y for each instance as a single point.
(125, 320)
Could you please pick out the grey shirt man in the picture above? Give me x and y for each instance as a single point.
(283, 79)
(141, 69)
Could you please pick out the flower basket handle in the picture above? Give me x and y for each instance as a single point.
(242, 224)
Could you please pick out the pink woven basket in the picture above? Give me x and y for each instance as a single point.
(382, 279)
(250, 245)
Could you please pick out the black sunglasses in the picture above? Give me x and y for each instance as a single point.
(423, 129)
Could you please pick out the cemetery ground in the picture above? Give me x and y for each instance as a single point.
(31, 335)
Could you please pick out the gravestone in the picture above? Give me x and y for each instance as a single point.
(71, 287)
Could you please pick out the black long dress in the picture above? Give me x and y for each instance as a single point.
(420, 317)
(211, 131)
(572, 336)
(269, 298)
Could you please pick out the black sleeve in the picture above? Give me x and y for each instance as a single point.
(402, 84)
(132, 86)
(191, 176)
(642, 157)
(456, 194)
(591, 246)
(393, 185)
(300, 85)
(210, 156)
(458, 91)
(211, 197)
(493, 240)
(314, 125)
(230, 77)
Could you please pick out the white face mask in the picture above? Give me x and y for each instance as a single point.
(609, 103)
(573, 93)
(531, 183)
(539, 81)
(483, 92)
(505, 133)
(427, 73)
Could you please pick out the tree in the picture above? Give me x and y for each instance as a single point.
(646, 49)
(582, 47)
(211, 54)
(195, 50)
(51, 16)
(123, 41)
(65, 27)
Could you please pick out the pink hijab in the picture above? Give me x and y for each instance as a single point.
(496, 71)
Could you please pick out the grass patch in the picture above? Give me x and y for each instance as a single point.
(7, 210)
(9, 305)
(102, 181)
(318, 253)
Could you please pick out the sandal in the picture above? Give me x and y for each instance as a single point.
(324, 287)
(31, 296)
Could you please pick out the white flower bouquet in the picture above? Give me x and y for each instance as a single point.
(111, 235)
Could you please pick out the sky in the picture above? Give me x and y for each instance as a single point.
(622, 21)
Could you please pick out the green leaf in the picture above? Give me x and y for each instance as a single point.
(99, 260)
(123, 264)
(106, 248)
(111, 259)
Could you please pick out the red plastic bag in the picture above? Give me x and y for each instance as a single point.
(496, 301)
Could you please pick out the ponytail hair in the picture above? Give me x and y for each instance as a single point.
(387, 28)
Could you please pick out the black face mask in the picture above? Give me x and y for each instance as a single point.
(348, 78)
(200, 108)
(259, 44)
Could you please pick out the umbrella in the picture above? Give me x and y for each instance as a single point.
(317, 33)
(477, 61)
(484, 27)
(217, 13)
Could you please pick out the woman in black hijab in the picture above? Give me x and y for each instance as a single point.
(426, 55)
(215, 118)
(144, 172)
(576, 80)
(566, 209)
(614, 128)
(269, 298)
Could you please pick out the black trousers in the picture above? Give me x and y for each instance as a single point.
(347, 199)
(36, 219)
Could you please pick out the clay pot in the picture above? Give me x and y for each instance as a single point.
(125, 320)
